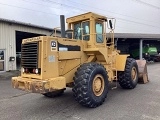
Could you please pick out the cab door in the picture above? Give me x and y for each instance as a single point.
(100, 33)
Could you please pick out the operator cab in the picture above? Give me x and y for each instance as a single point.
(89, 27)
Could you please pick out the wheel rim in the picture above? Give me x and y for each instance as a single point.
(98, 85)
(134, 73)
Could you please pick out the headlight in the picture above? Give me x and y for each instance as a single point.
(23, 70)
(36, 71)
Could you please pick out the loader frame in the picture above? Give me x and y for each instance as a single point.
(53, 63)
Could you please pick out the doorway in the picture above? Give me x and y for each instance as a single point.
(2, 60)
(19, 36)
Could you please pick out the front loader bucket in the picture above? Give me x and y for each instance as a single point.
(143, 74)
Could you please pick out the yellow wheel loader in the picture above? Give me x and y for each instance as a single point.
(82, 58)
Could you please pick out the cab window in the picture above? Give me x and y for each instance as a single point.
(77, 31)
(99, 32)
(86, 30)
(81, 29)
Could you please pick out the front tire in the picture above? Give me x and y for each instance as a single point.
(129, 78)
(90, 85)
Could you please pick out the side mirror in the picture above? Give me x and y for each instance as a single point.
(111, 23)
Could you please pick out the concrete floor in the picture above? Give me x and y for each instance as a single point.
(141, 103)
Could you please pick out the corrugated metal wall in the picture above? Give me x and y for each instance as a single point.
(8, 40)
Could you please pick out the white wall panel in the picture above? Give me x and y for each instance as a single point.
(8, 40)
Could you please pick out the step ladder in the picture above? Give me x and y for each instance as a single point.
(114, 69)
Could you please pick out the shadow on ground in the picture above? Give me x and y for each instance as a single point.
(9, 74)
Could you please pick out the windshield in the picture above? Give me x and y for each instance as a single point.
(81, 29)
(77, 31)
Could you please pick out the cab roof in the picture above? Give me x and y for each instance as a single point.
(85, 16)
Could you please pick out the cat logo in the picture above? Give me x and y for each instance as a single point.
(53, 45)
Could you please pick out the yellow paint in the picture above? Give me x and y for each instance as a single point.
(121, 62)
(58, 67)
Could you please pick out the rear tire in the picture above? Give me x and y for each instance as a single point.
(129, 78)
(90, 85)
(54, 93)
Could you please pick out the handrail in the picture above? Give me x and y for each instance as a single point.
(55, 30)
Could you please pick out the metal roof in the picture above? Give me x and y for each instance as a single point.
(117, 35)
(26, 24)
(136, 35)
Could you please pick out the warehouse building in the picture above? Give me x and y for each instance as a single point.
(11, 35)
(125, 40)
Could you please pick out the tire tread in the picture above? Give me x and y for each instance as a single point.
(80, 88)
(124, 77)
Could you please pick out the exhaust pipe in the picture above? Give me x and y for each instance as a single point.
(62, 22)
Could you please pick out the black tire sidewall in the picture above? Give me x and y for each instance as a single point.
(98, 70)
(125, 77)
(133, 82)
